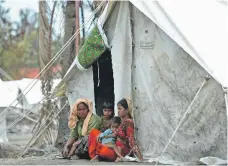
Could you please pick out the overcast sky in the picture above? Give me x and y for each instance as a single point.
(16, 5)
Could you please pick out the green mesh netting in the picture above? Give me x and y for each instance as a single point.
(93, 47)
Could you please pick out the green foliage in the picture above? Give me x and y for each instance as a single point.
(19, 55)
(18, 41)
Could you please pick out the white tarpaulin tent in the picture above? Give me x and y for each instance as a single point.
(162, 53)
(9, 92)
(33, 92)
(200, 28)
(9, 95)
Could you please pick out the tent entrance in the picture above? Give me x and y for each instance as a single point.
(103, 81)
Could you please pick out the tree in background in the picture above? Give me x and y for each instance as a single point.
(66, 61)
(45, 128)
(18, 41)
(69, 54)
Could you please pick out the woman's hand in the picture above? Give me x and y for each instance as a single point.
(76, 143)
(65, 151)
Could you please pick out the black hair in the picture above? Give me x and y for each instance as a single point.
(116, 120)
(123, 103)
(84, 105)
(108, 105)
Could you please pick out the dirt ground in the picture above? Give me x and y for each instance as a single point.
(46, 156)
(51, 160)
(49, 157)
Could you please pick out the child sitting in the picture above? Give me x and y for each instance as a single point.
(107, 137)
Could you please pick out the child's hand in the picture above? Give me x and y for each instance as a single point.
(98, 139)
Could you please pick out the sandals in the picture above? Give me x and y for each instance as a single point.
(63, 157)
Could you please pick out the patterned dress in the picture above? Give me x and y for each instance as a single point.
(125, 135)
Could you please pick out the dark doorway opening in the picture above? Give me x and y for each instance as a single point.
(103, 81)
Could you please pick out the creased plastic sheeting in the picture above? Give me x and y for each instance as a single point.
(212, 161)
(165, 80)
(80, 86)
(122, 53)
(200, 28)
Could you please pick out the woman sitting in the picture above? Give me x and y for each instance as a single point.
(81, 122)
(125, 134)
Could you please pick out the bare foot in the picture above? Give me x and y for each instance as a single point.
(95, 159)
(118, 159)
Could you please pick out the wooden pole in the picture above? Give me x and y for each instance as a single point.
(77, 26)
(83, 21)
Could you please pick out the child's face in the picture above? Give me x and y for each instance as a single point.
(107, 112)
(114, 126)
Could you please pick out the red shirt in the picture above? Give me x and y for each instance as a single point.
(126, 132)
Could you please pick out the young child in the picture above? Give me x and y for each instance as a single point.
(107, 137)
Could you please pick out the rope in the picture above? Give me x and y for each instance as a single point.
(72, 38)
(41, 125)
(29, 110)
(25, 116)
(13, 109)
(55, 57)
(16, 121)
(44, 128)
(187, 112)
(20, 118)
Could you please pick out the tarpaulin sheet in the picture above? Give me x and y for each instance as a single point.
(199, 27)
(165, 79)
(121, 50)
(80, 85)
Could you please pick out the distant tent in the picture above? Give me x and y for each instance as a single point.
(14, 98)
(163, 54)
